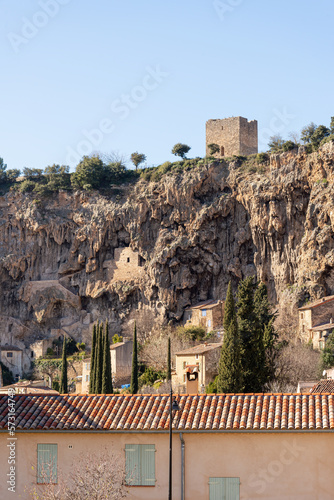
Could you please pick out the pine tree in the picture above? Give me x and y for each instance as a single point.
(63, 377)
(134, 372)
(92, 363)
(107, 387)
(230, 377)
(169, 362)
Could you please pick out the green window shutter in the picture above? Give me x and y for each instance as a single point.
(140, 464)
(147, 464)
(224, 488)
(47, 456)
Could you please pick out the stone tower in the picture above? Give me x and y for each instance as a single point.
(234, 136)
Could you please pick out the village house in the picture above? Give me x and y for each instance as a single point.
(12, 357)
(316, 321)
(28, 387)
(196, 367)
(225, 446)
(208, 314)
(121, 362)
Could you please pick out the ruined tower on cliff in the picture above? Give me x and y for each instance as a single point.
(234, 136)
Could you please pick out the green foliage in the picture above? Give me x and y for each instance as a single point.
(99, 359)
(332, 125)
(3, 168)
(107, 387)
(50, 352)
(33, 174)
(134, 372)
(57, 177)
(191, 332)
(275, 143)
(137, 159)
(328, 138)
(55, 385)
(149, 377)
(327, 360)
(213, 148)
(116, 339)
(63, 389)
(81, 346)
(180, 149)
(230, 377)
(90, 171)
(261, 158)
(13, 174)
(307, 132)
(169, 362)
(288, 146)
(7, 375)
(26, 186)
(211, 388)
(319, 134)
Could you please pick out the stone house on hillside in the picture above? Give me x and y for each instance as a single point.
(316, 321)
(196, 367)
(208, 314)
(234, 136)
(125, 266)
(225, 446)
(12, 357)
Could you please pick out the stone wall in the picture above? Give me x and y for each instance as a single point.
(125, 266)
(234, 136)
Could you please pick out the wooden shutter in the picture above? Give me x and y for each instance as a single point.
(224, 488)
(140, 464)
(47, 456)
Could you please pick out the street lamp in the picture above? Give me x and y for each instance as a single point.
(173, 406)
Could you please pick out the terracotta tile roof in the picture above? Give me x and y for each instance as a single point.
(325, 326)
(224, 412)
(8, 347)
(199, 349)
(207, 304)
(324, 386)
(317, 303)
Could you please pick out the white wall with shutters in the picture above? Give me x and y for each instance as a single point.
(47, 456)
(224, 488)
(140, 464)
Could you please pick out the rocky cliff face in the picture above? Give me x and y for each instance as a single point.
(62, 265)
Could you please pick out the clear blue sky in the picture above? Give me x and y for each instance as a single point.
(146, 74)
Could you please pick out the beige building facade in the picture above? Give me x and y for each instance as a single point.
(234, 136)
(125, 266)
(316, 321)
(196, 367)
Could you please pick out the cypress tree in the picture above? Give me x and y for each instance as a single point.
(169, 362)
(63, 377)
(107, 387)
(99, 360)
(134, 372)
(92, 363)
(230, 377)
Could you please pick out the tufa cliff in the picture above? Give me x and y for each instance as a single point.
(157, 247)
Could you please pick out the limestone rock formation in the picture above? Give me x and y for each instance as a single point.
(72, 259)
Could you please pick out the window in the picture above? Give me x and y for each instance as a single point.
(87, 367)
(301, 315)
(203, 313)
(224, 488)
(209, 323)
(184, 364)
(197, 356)
(9, 354)
(128, 259)
(87, 378)
(140, 464)
(32, 354)
(321, 344)
(184, 378)
(222, 151)
(47, 463)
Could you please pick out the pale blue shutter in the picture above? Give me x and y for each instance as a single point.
(224, 488)
(132, 459)
(47, 455)
(147, 465)
(140, 464)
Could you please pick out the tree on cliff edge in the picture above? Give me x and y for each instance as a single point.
(180, 150)
(134, 372)
(230, 377)
(63, 377)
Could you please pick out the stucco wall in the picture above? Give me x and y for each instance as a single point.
(271, 466)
